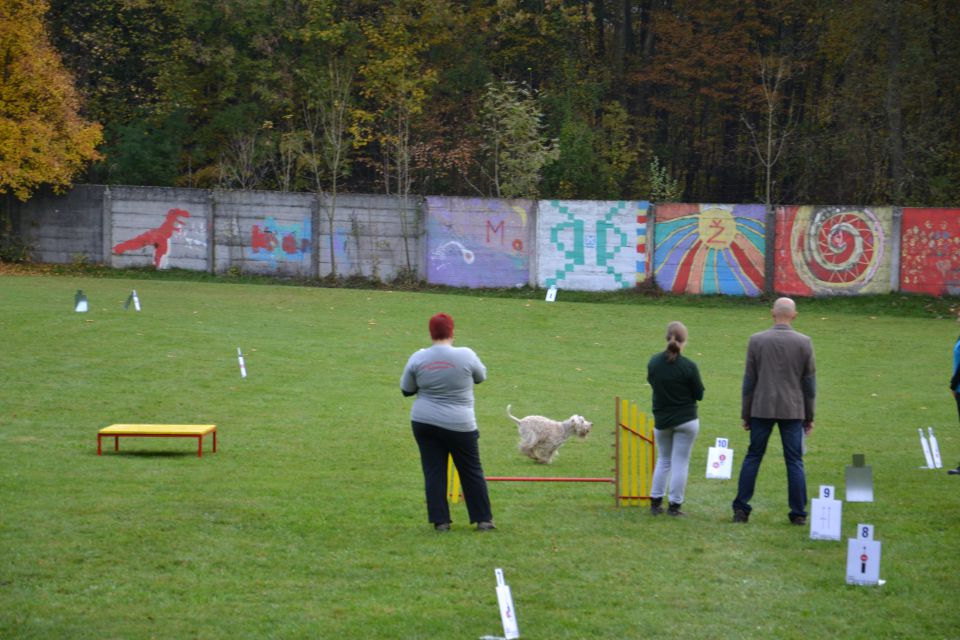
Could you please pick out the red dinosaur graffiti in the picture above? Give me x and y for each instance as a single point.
(158, 237)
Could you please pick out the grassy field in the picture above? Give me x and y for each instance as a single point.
(309, 521)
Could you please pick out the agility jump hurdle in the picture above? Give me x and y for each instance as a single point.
(634, 458)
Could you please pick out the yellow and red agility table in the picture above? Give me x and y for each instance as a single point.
(117, 431)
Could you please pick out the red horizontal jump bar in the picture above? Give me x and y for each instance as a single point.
(528, 479)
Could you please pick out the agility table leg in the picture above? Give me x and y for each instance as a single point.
(99, 450)
(116, 443)
(214, 440)
(199, 446)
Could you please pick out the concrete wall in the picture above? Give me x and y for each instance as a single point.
(263, 232)
(835, 250)
(368, 236)
(591, 245)
(160, 227)
(62, 228)
(482, 242)
(930, 251)
(475, 242)
(710, 248)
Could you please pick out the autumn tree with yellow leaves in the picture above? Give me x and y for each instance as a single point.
(43, 138)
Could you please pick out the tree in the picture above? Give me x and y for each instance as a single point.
(43, 138)
(517, 150)
(397, 82)
(326, 119)
(770, 137)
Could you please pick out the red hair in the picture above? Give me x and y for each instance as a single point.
(441, 327)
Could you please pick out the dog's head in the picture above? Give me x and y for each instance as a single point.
(581, 426)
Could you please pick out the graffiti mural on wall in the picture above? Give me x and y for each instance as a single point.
(710, 248)
(930, 251)
(159, 238)
(592, 245)
(833, 250)
(474, 242)
(275, 242)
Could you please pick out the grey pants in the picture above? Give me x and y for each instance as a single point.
(674, 445)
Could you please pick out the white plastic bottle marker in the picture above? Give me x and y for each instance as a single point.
(926, 449)
(935, 449)
(243, 367)
(507, 613)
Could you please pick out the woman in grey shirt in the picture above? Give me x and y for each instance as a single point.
(444, 424)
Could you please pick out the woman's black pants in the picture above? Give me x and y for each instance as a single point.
(436, 445)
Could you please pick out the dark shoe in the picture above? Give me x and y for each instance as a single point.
(656, 506)
(798, 520)
(485, 526)
(441, 526)
(954, 472)
(674, 510)
(741, 515)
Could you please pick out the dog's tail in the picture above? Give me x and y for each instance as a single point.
(515, 419)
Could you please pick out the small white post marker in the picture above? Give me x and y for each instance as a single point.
(926, 449)
(826, 513)
(720, 460)
(243, 367)
(134, 299)
(935, 449)
(80, 304)
(507, 613)
(863, 558)
(552, 293)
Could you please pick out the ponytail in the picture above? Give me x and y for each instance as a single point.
(676, 336)
(673, 349)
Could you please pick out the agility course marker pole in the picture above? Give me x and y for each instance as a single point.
(453, 481)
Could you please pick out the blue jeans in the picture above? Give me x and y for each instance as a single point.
(791, 435)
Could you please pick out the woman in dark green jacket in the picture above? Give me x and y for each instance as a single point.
(677, 387)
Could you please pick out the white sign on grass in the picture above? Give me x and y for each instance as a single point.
(863, 558)
(720, 460)
(826, 514)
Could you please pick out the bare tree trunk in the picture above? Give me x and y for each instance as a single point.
(892, 102)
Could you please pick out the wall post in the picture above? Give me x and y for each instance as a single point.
(770, 249)
(106, 218)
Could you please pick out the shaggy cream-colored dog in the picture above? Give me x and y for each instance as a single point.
(541, 437)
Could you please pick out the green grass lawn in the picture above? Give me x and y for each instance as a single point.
(309, 521)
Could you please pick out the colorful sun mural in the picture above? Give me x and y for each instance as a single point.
(709, 248)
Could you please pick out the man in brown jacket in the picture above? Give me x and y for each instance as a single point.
(779, 386)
